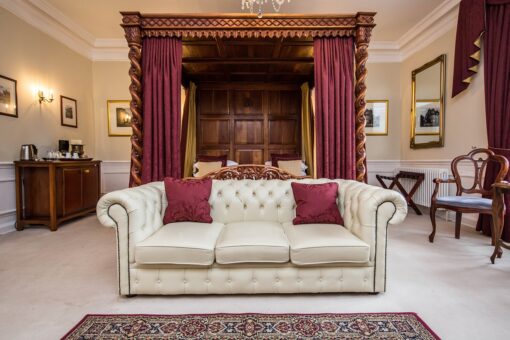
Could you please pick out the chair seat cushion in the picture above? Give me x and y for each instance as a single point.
(465, 202)
(254, 242)
(189, 243)
(324, 243)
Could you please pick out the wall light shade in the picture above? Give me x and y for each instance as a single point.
(45, 97)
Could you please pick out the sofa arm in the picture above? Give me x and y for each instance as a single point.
(367, 210)
(360, 203)
(136, 213)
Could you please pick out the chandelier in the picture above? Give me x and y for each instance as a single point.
(258, 4)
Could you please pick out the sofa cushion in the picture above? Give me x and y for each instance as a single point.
(316, 203)
(189, 243)
(255, 241)
(188, 200)
(324, 243)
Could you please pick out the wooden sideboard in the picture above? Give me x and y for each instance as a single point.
(50, 192)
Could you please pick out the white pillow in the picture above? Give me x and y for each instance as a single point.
(195, 166)
(206, 167)
(303, 166)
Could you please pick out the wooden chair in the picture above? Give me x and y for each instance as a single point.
(478, 158)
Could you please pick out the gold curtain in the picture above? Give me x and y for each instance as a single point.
(307, 129)
(191, 140)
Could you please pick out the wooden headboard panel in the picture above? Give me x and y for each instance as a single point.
(248, 121)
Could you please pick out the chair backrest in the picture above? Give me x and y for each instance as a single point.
(478, 159)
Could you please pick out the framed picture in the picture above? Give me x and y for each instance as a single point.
(376, 118)
(119, 118)
(8, 97)
(428, 117)
(68, 112)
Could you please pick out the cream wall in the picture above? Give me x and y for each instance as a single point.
(383, 82)
(36, 60)
(110, 82)
(465, 114)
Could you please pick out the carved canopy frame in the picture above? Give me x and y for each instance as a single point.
(137, 26)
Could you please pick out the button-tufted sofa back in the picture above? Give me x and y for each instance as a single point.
(254, 200)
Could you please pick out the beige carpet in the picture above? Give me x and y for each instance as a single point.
(49, 281)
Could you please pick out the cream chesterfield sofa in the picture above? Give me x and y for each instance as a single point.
(251, 247)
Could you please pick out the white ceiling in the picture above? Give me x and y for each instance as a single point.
(92, 27)
(101, 17)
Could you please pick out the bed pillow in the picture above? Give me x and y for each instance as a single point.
(275, 157)
(316, 203)
(208, 158)
(303, 167)
(292, 167)
(203, 168)
(188, 200)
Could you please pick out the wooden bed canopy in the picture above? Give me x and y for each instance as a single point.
(194, 27)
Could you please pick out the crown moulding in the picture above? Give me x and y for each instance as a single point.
(49, 19)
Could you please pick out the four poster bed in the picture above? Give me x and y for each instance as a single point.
(249, 73)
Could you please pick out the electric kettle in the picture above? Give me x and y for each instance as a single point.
(28, 152)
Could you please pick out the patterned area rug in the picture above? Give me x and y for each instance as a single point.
(253, 326)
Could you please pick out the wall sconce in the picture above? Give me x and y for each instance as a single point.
(47, 98)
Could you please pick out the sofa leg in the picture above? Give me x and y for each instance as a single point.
(129, 296)
(374, 293)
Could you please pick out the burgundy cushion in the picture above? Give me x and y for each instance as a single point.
(207, 158)
(188, 200)
(275, 157)
(316, 203)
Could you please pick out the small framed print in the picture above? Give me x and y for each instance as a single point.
(428, 118)
(68, 112)
(376, 118)
(119, 118)
(8, 97)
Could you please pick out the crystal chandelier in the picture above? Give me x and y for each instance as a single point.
(258, 4)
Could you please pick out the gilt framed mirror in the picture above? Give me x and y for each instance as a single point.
(428, 104)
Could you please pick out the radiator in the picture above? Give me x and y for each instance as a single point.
(426, 189)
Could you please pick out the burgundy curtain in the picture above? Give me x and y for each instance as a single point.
(470, 27)
(497, 94)
(161, 66)
(334, 107)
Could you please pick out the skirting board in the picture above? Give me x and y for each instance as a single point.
(115, 176)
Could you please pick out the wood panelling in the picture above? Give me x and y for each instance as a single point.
(247, 102)
(214, 131)
(249, 156)
(248, 121)
(213, 102)
(283, 103)
(283, 132)
(269, 60)
(249, 131)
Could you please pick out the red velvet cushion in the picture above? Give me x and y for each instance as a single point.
(275, 157)
(207, 158)
(188, 200)
(316, 203)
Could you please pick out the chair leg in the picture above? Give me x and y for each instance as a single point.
(458, 220)
(433, 220)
